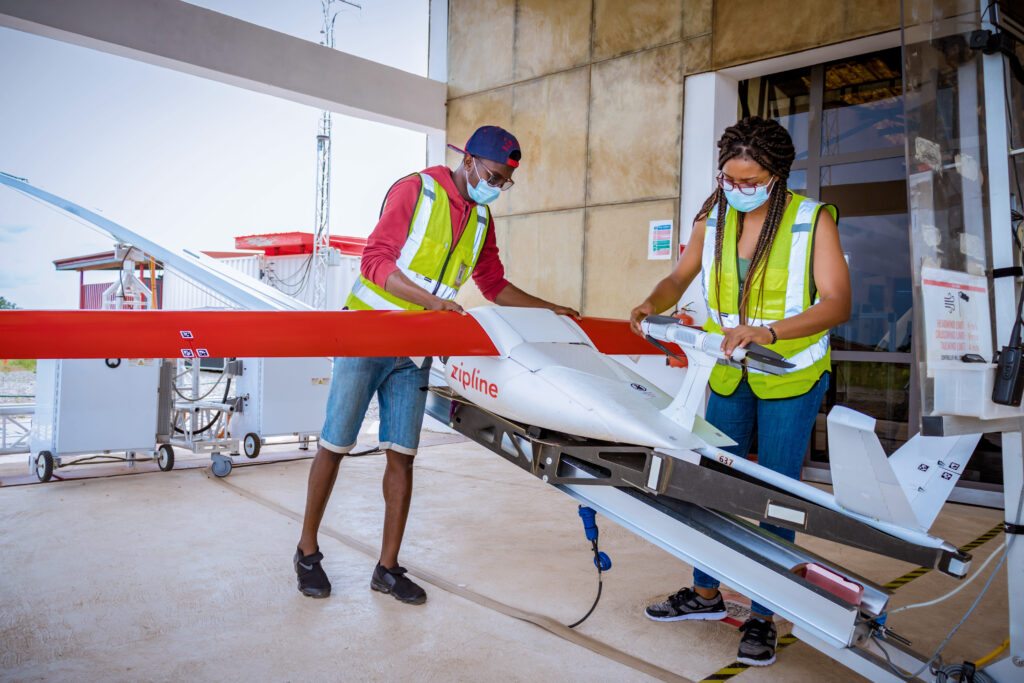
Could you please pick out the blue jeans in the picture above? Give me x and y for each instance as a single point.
(784, 428)
(399, 385)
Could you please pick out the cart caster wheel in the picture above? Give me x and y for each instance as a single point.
(251, 445)
(44, 466)
(165, 457)
(221, 465)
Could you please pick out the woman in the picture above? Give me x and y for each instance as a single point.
(773, 273)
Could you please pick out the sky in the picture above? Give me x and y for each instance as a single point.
(183, 160)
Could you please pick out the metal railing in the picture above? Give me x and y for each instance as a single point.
(16, 427)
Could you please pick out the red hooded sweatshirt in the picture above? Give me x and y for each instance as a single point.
(385, 242)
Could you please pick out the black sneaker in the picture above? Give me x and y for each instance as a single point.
(686, 604)
(312, 579)
(757, 648)
(395, 582)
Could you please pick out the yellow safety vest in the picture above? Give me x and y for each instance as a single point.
(428, 257)
(787, 291)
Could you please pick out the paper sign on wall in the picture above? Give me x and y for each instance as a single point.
(956, 316)
(659, 241)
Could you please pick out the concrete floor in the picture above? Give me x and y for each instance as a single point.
(181, 576)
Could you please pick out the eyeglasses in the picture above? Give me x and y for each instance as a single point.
(748, 189)
(493, 179)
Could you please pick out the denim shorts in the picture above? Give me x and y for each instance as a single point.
(399, 384)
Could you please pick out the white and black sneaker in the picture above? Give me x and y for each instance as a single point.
(686, 604)
(757, 648)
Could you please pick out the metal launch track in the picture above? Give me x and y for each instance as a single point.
(693, 512)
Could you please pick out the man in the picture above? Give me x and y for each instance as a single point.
(434, 231)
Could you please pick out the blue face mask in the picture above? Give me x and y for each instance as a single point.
(748, 202)
(481, 193)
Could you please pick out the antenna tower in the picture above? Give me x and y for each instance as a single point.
(322, 227)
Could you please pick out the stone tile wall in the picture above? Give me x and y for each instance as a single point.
(593, 89)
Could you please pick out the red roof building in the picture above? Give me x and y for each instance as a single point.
(287, 243)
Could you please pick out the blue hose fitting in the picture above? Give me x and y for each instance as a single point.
(589, 525)
(601, 560)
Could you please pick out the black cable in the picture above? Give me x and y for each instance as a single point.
(1015, 331)
(988, 9)
(296, 277)
(296, 286)
(199, 398)
(1013, 163)
(600, 585)
(212, 422)
(1016, 179)
(959, 672)
(989, 43)
(937, 657)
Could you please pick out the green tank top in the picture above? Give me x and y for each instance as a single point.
(742, 266)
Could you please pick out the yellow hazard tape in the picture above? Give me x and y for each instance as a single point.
(921, 571)
(727, 672)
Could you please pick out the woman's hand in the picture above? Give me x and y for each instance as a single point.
(739, 337)
(667, 292)
(638, 314)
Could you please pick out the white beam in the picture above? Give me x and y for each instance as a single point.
(709, 107)
(198, 41)
(710, 104)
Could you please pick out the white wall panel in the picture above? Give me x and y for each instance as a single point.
(288, 274)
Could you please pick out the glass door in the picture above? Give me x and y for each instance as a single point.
(846, 120)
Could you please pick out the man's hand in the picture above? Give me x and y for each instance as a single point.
(739, 337)
(439, 304)
(404, 288)
(512, 296)
(565, 310)
(637, 315)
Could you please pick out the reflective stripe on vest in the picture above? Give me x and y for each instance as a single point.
(420, 219)
(785, 267)
(707, 260)
(799, 252)
(427, 257)
(372, 300)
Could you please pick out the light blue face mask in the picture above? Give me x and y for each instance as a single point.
(482, 192)
(748, 202)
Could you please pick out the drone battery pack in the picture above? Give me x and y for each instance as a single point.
(836, 584)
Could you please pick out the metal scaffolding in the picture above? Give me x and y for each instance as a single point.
(322, 228)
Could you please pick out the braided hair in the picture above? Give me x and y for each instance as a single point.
(769, 144)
